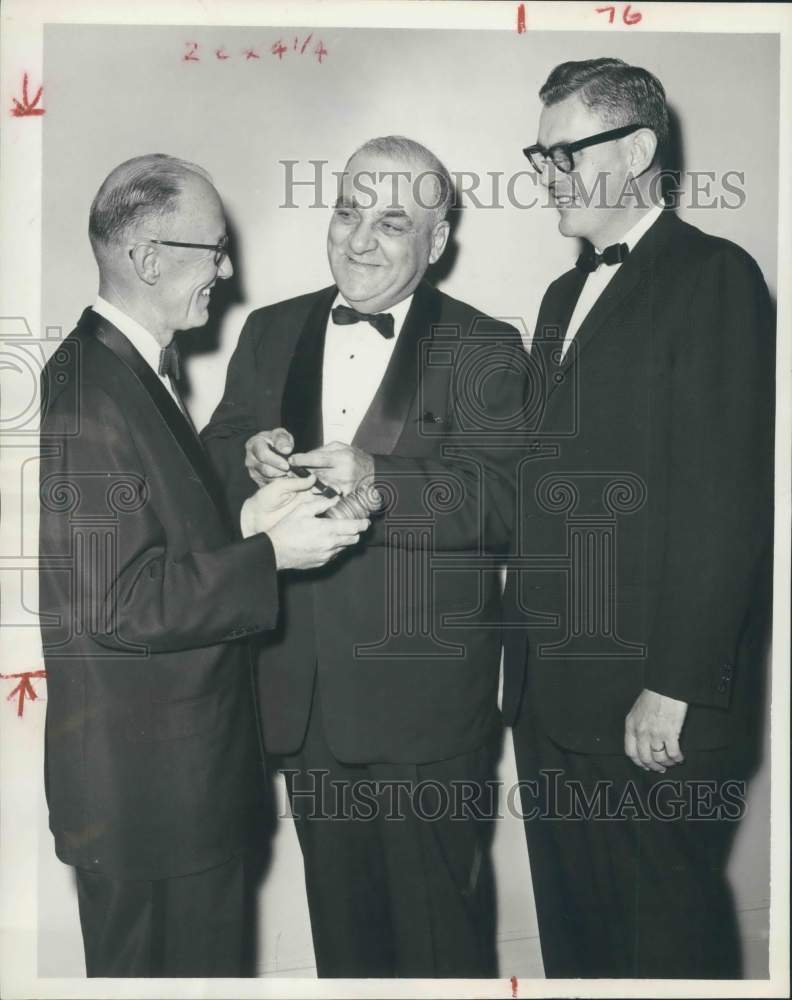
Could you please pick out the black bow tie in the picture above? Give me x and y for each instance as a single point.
(170, 361)
(590, 260)
(382, 322)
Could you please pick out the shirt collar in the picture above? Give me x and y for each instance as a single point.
(640, 228)
(143, 341)
(398, 311)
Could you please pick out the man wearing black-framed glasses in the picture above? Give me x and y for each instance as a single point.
(660, 341)
(562, 154)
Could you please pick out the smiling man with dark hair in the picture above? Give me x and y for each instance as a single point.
(647, 654)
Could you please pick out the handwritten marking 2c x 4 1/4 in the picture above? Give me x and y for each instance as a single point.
(193, 52)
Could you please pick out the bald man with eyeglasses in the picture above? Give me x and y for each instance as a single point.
(148, 593)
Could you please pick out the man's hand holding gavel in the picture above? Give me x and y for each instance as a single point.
(290, 513)
(345, 469)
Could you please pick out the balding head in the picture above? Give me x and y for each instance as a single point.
(156, 226)
(139, 192)
(424, 166)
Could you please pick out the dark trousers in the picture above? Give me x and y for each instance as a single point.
(397, 867)
(189, 926)
(630, 891)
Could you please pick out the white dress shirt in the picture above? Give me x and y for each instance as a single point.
(144, 342)
(597, 281)
(355, 359)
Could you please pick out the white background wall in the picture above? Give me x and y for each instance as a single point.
(117, 92)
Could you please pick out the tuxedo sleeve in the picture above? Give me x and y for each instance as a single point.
(147, 593)
(234, 421)
(719, 486)
(468, 493)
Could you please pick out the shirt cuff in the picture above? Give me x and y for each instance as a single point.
(246, 518)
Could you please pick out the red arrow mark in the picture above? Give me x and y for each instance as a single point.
(27, 108)
(24, 689)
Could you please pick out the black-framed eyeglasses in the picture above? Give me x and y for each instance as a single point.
(220, 249)
(562, 153)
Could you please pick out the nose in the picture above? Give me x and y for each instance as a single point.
(362, 238)
(225, 268)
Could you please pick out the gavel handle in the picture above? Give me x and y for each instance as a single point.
(303, 473)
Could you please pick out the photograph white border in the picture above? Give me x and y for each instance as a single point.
(21, 750)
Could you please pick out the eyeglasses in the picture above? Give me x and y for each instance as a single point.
(220, 249)
(562, 152)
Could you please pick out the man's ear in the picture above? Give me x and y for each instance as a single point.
(439, 240)
(145, 260)
(643, 145)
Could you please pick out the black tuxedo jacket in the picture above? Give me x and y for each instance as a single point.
(152, 753)
(646, 501)
(403, 632)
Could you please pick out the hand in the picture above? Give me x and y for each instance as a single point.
(304, 541)
(341, 466)
(651, 731)
(262, 462)
(271, 503)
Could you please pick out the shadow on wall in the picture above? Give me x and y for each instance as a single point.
(225, 295)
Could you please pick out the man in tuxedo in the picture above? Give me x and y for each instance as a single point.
(147, 593)
(379, 688)
(639, 596)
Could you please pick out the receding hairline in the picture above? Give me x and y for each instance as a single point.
(418, 158)
(143, 187)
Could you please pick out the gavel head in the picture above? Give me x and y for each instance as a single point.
(363, 502)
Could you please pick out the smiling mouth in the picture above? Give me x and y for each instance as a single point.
(360, 263)
(206, 292)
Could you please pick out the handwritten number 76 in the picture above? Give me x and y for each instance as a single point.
(628, 16)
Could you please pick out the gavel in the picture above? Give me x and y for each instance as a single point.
(362, 502)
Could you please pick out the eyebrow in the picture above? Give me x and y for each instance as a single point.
(388, 213)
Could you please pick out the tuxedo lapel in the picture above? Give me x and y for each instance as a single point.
(637, 268)
(553, 321)
(384, 422)
(98, 328)
(302, 394)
